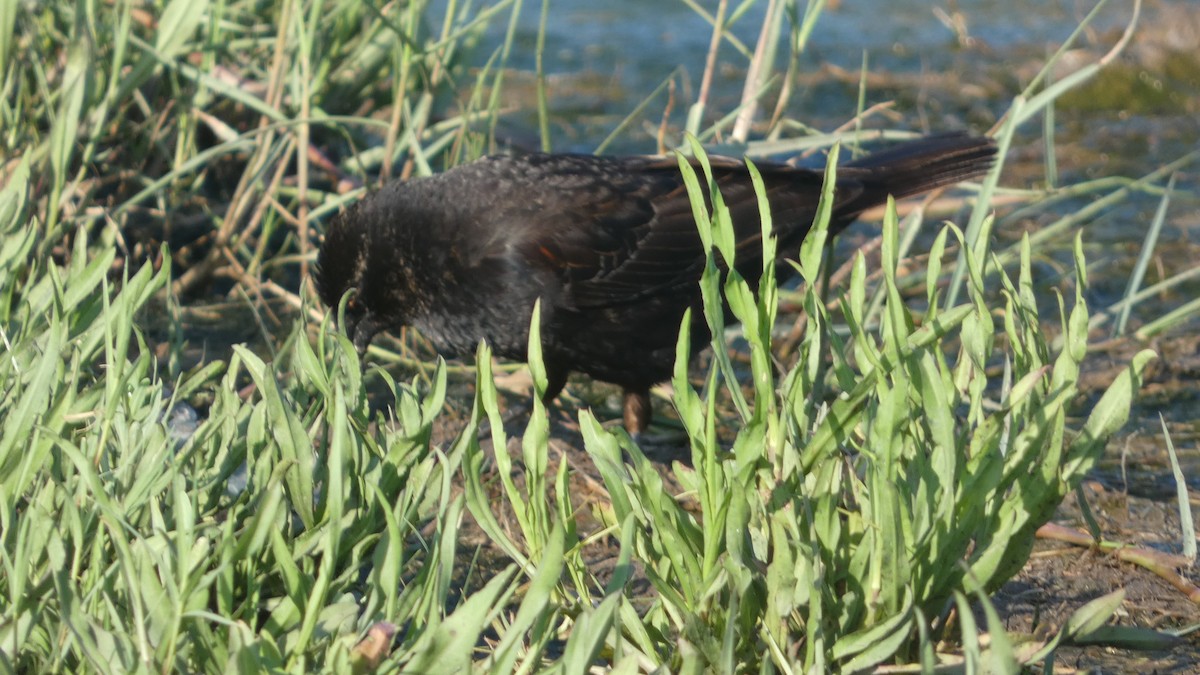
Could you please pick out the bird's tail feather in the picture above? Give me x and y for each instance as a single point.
(924, 164)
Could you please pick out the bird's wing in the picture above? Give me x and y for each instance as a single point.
(632, 234)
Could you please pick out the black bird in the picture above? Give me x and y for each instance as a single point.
(608, 244)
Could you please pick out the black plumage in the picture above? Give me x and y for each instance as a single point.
(608, 244)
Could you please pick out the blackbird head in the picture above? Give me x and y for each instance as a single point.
(345, 264)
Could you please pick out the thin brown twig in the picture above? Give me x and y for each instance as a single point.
(396, 117)
(266, 199)
(710, 60)
(257, 305)
(781, 103)
(1161, 564)
(264, 287)
(666, 117)
(287, 217)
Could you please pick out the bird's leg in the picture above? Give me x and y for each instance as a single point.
(637, 410)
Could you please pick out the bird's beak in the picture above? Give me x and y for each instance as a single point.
(361, 333)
